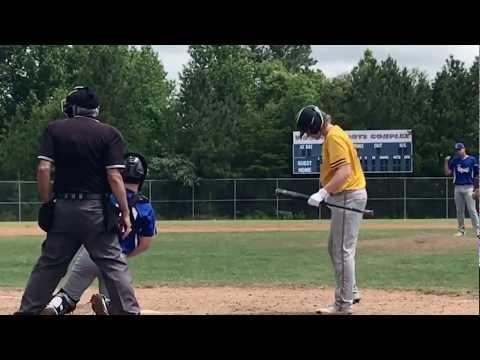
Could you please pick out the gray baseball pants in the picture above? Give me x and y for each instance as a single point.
(82, 274)
(342, 244)
(463, 198)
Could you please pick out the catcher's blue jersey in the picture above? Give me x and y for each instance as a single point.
(143, 225)
(464, 170)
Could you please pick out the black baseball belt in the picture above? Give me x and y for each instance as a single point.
(80, 196)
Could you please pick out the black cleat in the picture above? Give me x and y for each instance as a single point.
(61, 304)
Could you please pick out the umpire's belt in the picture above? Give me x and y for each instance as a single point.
(80, 196)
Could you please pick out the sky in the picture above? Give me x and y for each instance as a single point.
(334, 60)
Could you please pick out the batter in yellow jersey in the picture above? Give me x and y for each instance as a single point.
(337, 151)
(343, 183)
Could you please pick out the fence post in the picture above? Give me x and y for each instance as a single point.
(446, 197)
(320, 207)
(193, 201)
(150, 189)
(320, 213)
(404, 199)
(234, 199)
(19, 202)
(277, 197)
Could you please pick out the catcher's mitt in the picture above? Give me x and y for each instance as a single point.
(476, 194)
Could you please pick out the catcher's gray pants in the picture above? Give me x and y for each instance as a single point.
(78, 222)
(463, 197)
(342, 243)
(81, 275)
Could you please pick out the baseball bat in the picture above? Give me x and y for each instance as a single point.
(296, 195)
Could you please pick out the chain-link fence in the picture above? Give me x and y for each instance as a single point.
(391, 198)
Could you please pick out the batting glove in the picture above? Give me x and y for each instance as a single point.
(317, 198)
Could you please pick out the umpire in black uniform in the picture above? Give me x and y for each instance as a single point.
(88, 158)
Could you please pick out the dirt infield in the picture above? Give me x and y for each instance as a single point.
(260, 300)
(31, 229)
(418, 243)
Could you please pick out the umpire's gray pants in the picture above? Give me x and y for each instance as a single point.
(463, 197)
(82, 274)
(76, 223)
(342, 243)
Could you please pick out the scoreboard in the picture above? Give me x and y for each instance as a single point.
(379, 151)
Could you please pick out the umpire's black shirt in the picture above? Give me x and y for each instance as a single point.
(82, 150)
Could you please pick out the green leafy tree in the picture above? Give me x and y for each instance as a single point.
(234, 111)
(279, 96)
(217, 88)
(131, 83)
(175, 168)
(454, 108)
(29, 75)
(21, 142)
(294, 57)
(381, 95)
(333, 98)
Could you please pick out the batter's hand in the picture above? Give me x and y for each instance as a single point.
(317, 198)
(125, 225)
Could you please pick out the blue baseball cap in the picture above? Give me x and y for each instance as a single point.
(459, 146)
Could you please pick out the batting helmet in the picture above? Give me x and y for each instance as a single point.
(81, 100)
(136, 169)
(310, 119)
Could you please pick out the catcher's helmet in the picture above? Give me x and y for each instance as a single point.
(136, 169)
(80, 98)
(310, 119)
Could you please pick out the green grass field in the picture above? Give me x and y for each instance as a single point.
(275, 258)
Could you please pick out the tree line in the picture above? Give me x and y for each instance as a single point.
(232, 111)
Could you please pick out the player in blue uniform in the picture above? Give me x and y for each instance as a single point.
(464, 169)
(84, 271)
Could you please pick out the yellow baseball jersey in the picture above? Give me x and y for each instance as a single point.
(338, 150)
